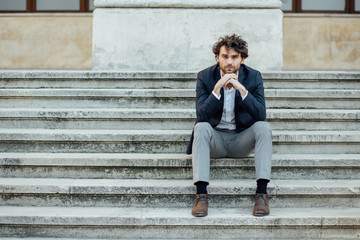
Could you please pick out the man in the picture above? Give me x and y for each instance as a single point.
(230, 109)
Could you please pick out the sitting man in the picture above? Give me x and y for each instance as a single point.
(230, 109)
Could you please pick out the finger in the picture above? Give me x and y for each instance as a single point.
(228, 85)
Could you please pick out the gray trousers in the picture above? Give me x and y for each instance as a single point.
(212, 143)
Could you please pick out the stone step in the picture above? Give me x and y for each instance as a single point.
(223, 193)
(97, 79)
(51, 238)
(169, 98)
(312, 80)
(158, 80)
(171, 119)
(163, 141)
(177, 223)
(173, 166)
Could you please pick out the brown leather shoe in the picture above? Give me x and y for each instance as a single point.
(200, 208)
(261, 207)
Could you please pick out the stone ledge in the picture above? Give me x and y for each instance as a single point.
(177, 223)
(172, 136)
(188, 4)
(186, 94)
(159, 187)
(77, 216)
(170, 160)
(183, 114)
(59, 74)
(320, 15)
(46, 14)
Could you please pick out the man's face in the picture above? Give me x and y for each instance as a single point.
(229, 60)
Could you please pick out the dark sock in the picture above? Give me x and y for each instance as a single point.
(262, 185)
(201, 187)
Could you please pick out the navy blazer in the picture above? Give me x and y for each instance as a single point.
(209, 108)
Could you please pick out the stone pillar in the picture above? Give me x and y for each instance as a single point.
(178, 35)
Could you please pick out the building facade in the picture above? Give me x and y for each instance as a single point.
(51, 34)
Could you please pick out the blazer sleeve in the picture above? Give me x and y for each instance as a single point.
(254, 103)
(207, 105)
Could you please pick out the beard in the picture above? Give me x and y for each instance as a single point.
(229, 69)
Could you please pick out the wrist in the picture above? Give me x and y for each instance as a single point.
(243, 92)
(218, 96)
(216, 90)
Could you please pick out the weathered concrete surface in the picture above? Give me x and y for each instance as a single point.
(163, 141)
(330, 43)
(146, 38)
(321, 41)
(45, 41)
(171, 93)
(188, 4)
(156, 193)
(79, 135)
(169, 223)
(168, 160)
(109, 172)
(164, 75)
(166, 119)
(169, 98)
(172, 166)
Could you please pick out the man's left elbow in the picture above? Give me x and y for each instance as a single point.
(262, 116)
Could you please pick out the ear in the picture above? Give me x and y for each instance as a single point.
(217, 57)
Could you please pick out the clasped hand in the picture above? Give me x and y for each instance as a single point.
(229, 81)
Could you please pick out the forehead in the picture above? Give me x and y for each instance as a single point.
(228, 51)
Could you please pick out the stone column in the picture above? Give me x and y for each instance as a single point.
(178, 35)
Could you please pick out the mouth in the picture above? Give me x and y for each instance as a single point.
(229, 69)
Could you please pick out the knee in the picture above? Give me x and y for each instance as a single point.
(202, 129)
(263, 129)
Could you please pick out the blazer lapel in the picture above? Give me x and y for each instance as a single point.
(241, 76)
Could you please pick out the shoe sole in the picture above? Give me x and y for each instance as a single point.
(260, 214)
(199, 215)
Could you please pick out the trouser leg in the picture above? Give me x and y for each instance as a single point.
(207, 143)
(257, 138)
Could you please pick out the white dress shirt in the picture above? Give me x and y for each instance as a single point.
(228, 115)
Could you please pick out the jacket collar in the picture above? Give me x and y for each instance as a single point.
(242, 73)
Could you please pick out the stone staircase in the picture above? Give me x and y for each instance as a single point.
(101, 155)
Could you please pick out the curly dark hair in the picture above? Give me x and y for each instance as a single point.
(235, 42)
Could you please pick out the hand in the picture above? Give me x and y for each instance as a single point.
(237, 85)
(224, 82)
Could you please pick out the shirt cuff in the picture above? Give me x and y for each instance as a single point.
(243, 97)
(218, 97)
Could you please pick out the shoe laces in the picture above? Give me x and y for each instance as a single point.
(262, 196)
(201, 197)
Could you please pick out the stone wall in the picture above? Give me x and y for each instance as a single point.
(64, 41)
(321, 42)
(178, 35)
(45, 41)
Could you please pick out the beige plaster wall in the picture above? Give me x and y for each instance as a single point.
(64, 41)
(321, 42)
(45, 41)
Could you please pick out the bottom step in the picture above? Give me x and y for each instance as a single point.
(177, 223)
